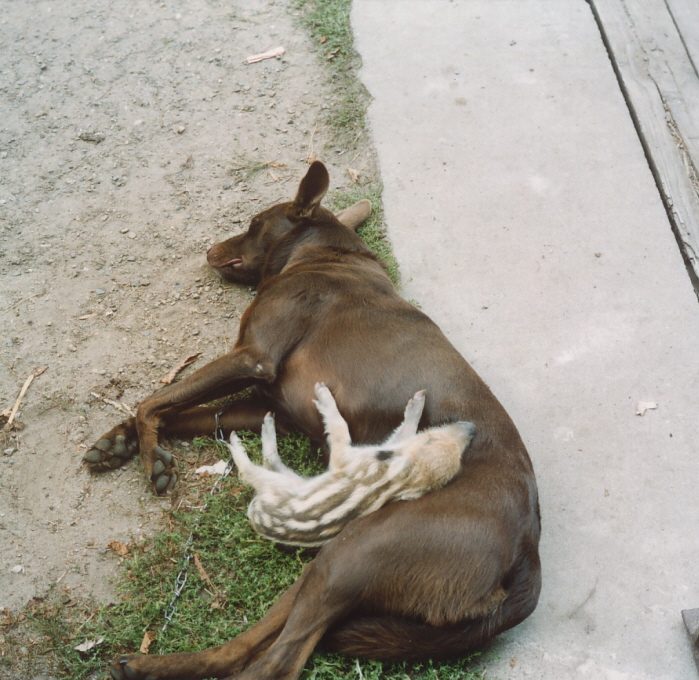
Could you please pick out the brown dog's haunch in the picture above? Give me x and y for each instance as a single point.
(433, 577)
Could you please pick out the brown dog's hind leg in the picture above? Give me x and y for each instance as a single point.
(328, 593)
(217, 662)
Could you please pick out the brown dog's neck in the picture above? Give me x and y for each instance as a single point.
(313, 240)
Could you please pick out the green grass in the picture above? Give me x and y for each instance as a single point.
(328, 23)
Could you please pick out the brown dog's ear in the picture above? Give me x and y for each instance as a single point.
(355, 215)
(311, 190)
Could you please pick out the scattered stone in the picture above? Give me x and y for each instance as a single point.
(91, 136)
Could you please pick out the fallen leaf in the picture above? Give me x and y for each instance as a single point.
(644, 406)
(119, 548)
(202, 571)
(148, 639)
(353, 174)
(88, 645)
(216, 469)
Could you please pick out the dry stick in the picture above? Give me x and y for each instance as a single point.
(186, 361)
(311, 155)
(269, 54)
(13, 412)
(115, 404)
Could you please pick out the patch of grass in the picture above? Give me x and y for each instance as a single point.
(236, 578)
(328, 22)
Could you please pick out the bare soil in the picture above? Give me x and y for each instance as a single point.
(132, 137)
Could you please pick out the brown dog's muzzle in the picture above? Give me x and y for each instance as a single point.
(228, 262)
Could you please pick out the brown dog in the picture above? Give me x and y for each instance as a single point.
(433, 577)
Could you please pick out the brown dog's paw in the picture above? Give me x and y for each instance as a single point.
(164, 474)
(124, 670)
(114, 449)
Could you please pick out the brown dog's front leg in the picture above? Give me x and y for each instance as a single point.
(225, 375)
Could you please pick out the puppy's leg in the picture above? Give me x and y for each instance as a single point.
(411, 420)
(254, 475)
(336, 430)
(270, 453)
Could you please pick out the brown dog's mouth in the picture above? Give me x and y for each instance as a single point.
(234, 262)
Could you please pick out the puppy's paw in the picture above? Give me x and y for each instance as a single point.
(324, 401)
(415, 406)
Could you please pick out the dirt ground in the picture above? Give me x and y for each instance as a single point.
(131, 139)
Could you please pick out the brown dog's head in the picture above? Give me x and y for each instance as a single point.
(242, 259)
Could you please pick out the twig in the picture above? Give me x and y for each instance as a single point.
(181, 365)
(115, 404)
(311, 155)
(269, 54)
(13, 412)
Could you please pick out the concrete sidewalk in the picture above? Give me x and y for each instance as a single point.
(528, 225)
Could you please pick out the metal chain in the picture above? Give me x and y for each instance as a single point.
(181, 578)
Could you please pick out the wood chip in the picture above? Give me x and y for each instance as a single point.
(269, 54)
(88, 645)
(180, 366)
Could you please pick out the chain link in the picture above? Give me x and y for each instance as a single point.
(181, 578)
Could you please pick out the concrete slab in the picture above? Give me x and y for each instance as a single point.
(527, 224)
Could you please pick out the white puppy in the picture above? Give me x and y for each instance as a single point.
(309, 511)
